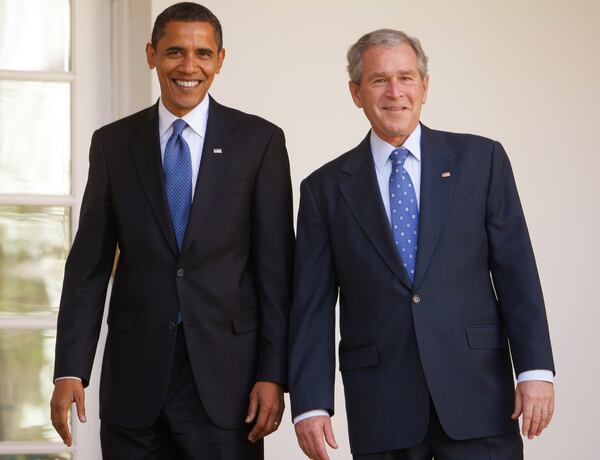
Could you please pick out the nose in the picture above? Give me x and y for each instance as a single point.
(394, 88)
(188, 64)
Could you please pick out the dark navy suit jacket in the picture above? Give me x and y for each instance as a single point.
(476, 298)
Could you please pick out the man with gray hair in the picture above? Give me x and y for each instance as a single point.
(422, 234)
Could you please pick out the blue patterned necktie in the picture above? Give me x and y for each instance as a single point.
(404, 212)
(177, 166)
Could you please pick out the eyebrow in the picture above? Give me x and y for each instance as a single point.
(179, 48)
(386, 75)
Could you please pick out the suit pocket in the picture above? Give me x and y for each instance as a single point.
(486, 336)
(122, 320)
(356, 358)
(245, 320)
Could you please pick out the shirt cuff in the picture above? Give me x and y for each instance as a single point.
(536, 374)
(66, 377)
(310, 413)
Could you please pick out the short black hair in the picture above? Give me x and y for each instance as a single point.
(186, 12)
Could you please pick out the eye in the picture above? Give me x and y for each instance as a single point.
(174, 53)
(205, 53)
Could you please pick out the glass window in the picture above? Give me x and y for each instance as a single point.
(34, 242)
(26, 367)
(35, 145)
(35, 35)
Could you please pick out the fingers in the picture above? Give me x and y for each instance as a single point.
(80, 404)
(260, 427)
(518, 405)
(267, 422)
(534, 425)
(329, 437)
(270, 406)
(252, 407)
(59, 417)
(537, 401)
(550, 412)
(65, 393)
(311, 433)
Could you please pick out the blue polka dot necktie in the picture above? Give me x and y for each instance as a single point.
(177, 167)
(404, 212)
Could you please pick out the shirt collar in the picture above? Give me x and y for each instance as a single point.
(196, 118)
(381, 149)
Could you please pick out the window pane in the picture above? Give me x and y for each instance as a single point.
(34, 242)
(36, 456)
(35, 35)
(35, 144)
(26, 367)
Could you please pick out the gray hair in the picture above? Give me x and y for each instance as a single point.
(383, 37)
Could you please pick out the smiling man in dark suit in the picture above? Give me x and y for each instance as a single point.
(197, 197)
(422, 234)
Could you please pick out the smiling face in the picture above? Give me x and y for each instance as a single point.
(186, 59)
(391, 91)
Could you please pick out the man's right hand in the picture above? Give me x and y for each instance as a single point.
(310, 433)
(66, 392)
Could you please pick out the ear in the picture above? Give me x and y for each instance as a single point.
(220, 59)
(150, 55)
(355, 92)
(425, 88)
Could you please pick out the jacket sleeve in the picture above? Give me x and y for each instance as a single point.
(312, 319)
(87, 273)
(272, 256)
(514, 271)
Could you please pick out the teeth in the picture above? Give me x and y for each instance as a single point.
(187, 83)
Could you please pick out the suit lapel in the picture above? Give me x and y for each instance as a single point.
(145, 146)
(216, 155)
(361, 192)
(439, 177)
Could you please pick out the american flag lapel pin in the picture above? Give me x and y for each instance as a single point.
(446, 174)
(217, 150)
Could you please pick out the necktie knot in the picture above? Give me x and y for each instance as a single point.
(178, 126)
(398, 156)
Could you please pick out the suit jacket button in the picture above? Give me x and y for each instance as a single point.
(180, 272)
(172, 325)
(416, 298)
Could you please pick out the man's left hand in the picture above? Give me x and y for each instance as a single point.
(266, 407)
(535, 400)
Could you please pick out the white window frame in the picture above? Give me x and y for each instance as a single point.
(91, 79)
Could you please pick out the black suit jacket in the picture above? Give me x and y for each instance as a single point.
(232, 280)
(445, 338)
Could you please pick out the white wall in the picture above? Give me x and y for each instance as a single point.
(524, 72)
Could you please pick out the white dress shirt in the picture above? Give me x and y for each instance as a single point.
(193, 134)
(381, 151)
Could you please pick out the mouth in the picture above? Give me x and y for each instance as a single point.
(186, 83)
(395, 108)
